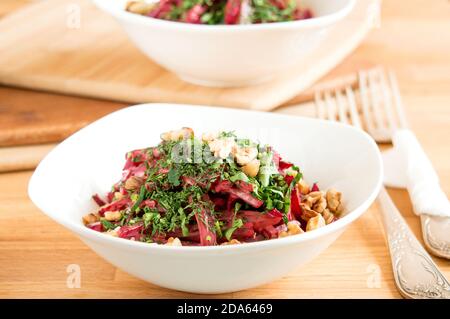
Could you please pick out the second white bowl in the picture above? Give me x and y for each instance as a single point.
(228, 55)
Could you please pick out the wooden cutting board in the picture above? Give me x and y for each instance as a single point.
(41, 49)
(30, 117)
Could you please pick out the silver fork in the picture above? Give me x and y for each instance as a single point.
(415, 273)
(386, 122)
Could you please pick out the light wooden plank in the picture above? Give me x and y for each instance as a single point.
(35, 251)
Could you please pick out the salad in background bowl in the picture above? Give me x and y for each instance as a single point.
(90, 161)
(229, 12)
(223, 55)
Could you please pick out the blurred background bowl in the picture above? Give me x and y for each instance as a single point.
(229, 55)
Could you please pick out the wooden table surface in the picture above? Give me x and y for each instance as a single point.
(413, 40)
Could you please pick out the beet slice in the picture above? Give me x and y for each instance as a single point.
(205, 222)
(296, 209)
(232, 11)
(114, 206)
(132, 231)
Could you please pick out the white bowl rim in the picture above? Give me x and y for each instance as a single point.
(148, 21)
(90, 234)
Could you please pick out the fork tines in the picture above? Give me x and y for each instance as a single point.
(375, 106)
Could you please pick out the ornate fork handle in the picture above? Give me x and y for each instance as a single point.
(415, 273)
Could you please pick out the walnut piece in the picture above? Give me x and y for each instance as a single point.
(139, 7)
(315, 222)
(90, 218)
(173, 242)
(307, 212)
(208, 137)
(113, 216)
(133, 183)
(118, 196)
(320, 205)
(251, 169)
(333, 200)
(231, 242)
(303, 187)
(245, 155)
(328, 216)
(326, 205)
(222, 147)
(293, 228)
(176, 135)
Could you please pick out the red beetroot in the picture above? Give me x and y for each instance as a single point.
(232, 11)
(188, 181)
(160, 10)
(296, 209)
(255, 238)
(279, 163)
(219, 203)
(194, 14)
(110, 197)
(98, 200)
(163, 170)
(222, 186)
(270, 232)
(247, 187)
(275, 213)
(155, 152)
(114, 206)
(245, 232)
(138, 171)
(227, 187)
(96, 226)
(230, 202)
(280, 4)
(133, 231)
(284, 165)
(123, 191)
(148, 203)
(246, 197)
(134, 158)
(205, 222)
(194, 235)
(288, 179)
(228, 214)
(261, 220)
(303, 14)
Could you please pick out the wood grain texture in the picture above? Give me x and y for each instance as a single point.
(33, 118)
(19, 158)
(98, 60)
(35, 251)
(8, 6)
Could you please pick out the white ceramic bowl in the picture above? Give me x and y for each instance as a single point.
(91, 160)
(224, 55)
